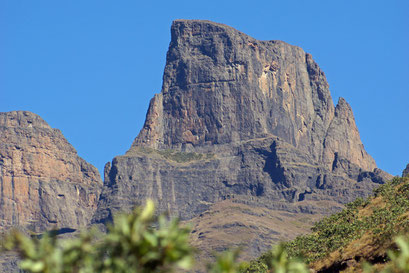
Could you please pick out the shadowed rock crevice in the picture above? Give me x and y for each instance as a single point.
(274, 167)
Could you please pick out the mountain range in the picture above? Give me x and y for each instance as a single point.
(244, 138)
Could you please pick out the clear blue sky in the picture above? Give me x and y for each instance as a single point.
(90, 67)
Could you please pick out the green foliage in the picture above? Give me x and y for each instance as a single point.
(226, 262)
(47, 254)
(330, 234)
(142, 243)
(334, 232)
(138, 242)
(276, 261)
(385, 221)
(398, 260)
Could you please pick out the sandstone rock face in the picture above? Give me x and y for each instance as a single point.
(248, 121)
(44, 183)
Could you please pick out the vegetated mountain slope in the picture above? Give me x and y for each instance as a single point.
(364, 231)
(243, 120)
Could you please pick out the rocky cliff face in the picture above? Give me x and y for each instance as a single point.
(222, 86)
(243, 120)
(44, 183)
(405, 172)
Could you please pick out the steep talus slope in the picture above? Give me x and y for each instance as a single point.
(44, 183)
(248, 121)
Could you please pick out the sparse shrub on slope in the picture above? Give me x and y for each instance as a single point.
(381, 217)
(226, 262)
(276, 261)
(364, 230)
(398, 259)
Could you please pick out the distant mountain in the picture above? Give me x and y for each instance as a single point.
(44, 183)
(242, 131)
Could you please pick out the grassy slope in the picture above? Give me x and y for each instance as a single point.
(361, 232)
(227, 225)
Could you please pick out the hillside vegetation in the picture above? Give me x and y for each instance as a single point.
(138, 242)
(363, 232)
(365, 237)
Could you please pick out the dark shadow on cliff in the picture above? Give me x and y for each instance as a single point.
(273, 166)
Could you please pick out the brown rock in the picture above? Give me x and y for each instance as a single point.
(44, 183)
(343, 139)
(242, 120)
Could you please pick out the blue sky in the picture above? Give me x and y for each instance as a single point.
(89, 68)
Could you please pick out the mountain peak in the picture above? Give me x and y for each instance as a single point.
(222, 86)
(45, 184)
(343, 108)
(243, 120)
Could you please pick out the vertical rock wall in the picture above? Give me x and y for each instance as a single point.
(44, 183)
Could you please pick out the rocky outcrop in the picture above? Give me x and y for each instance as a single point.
(222, 86)
(405, 171)
(44, 183)
(238, 119)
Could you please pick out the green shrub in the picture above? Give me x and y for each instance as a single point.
(138, 242)
(336, 231)
(276, 261)
(226, 262)
(398, 259)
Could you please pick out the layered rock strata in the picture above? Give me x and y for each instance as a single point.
(44, 183)
(239, 119)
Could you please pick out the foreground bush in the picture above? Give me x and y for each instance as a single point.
(142, 243)
(398, 259)
(138, 242)
(276, 261)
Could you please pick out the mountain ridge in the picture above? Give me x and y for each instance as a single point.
(44, 183)
(241, 126)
